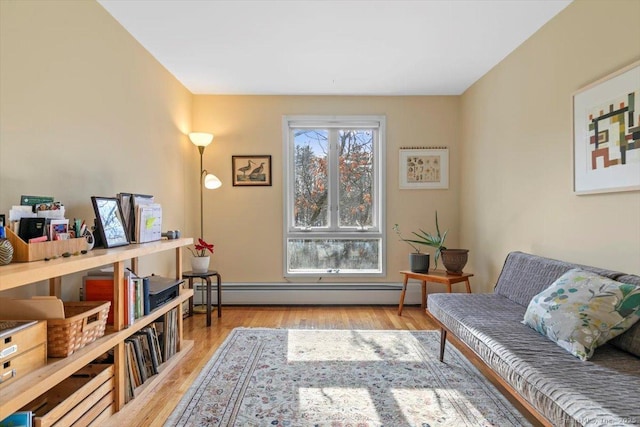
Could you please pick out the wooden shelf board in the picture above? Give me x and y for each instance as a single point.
(23, 390)
(144, 392)
(19, 274)
(164, 370)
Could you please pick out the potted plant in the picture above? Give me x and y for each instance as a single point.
(201, 257)
(426, 239)
(454, 260)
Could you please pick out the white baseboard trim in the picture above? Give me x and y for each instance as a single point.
(311, 294)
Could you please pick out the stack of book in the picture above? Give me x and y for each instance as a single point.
(148, 349)
(97, 285)
(168, 333)
(143, 357)
(142, 295)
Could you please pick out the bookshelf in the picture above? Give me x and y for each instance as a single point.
(16, 275)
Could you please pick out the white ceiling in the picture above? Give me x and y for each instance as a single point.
(331, 47)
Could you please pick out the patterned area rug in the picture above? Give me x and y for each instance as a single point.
(339, 378)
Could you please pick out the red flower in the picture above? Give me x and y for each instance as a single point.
(201, 248)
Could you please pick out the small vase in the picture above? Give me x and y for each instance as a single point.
(6, 252)
(419, 263)
(200, 264)
(88, 235)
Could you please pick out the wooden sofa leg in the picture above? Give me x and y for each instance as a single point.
(443, 341)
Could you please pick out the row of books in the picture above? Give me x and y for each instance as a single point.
(97, 285)
(147, 349)
(142, 295)
(169, 337)
(143, 356)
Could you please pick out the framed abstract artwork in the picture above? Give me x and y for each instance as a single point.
(606, 134)
(424, 168)
(251, 170)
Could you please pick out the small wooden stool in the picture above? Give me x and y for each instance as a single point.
(207, 278)
(435, 276)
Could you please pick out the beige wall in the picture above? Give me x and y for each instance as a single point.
(516, 165)
(85, 110)
(245, 223)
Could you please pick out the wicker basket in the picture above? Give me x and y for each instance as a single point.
(84, 322)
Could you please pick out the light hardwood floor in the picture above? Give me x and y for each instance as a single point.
(156, 408)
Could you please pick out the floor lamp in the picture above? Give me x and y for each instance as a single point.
(210, 181)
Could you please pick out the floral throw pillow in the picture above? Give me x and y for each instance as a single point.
(582, 310)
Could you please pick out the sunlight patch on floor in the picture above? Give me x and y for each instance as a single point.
(442, 403)
(360, 346)
(322, 405)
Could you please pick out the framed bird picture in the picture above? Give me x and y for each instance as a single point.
(251, 170)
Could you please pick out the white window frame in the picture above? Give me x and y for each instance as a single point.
(377, 231)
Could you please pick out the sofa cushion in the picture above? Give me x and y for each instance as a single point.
(565, 390)
(582, 310)
(524, 275)
(630, 340)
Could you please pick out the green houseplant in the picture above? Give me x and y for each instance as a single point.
(426, 239)
(454, 260)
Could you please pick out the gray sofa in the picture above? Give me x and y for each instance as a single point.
(556, 387)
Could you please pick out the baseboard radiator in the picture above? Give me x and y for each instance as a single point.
(310, 294)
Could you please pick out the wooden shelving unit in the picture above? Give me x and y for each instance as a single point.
(16, 275)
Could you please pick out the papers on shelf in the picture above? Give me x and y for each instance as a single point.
(17, 212)
(148, 222)
(142, 217)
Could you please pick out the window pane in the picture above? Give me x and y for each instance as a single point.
(334, 216)
(355, 157)
(322, 255)
(311, 150)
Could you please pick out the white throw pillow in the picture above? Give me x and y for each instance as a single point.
(582, 310)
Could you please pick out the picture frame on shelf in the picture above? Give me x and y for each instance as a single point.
(109, 221)
(424, 168)
(251, 170)
(606, 139)
(58, 229)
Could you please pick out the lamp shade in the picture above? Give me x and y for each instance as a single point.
(212, 182)
(201, 139)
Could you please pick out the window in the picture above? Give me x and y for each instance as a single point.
(334, 175)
